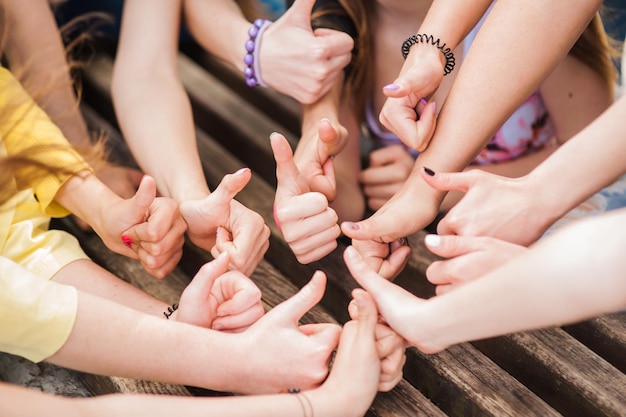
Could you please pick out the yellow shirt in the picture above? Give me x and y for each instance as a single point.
(36, 315)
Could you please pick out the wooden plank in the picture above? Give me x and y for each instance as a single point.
(562, 371)
(273, 104)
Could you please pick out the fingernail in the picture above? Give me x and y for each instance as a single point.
(429, 171)
(432, 240)
(352, 225)
(240, 171)
(392, 87)
(423, 101)
(403, 241)
(352, 253)
(127, 241)
(434, 107)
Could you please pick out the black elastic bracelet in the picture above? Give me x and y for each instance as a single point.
(423, 38)
(170, 311)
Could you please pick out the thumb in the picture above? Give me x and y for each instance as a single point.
(375, 228)
(202, 283)
(230, 185)
(378, 287)
(289, 179)
(448, 181)
(332, 140)
(299, 14)
(292, 309)
(366, 313)
(143, 198)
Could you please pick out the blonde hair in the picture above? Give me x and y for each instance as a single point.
(26, 167)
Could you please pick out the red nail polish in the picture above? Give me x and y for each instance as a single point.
(127, 241)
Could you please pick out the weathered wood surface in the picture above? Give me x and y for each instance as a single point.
(577, 370)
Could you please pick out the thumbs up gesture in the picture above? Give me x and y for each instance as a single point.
(298, 61)
(219, 223)
(307, 222)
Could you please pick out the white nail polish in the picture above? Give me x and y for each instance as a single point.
(432, 240)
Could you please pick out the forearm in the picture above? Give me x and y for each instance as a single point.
(573, 275)
(100, 343)
(571, 168)
(227, 32)
(442, 20)
(151, 104)
(485, 77)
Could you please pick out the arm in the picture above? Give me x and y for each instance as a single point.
(478, 86)
(526, 207)
(288, 46)
(343, 394)
(534, 290)
(574, 95)
(99, 343)
(155, 116)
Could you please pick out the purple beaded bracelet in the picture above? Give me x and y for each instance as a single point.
(252, 71)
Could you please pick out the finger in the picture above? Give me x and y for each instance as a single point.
(303, 207)
(299, 14)
(245, 297)
(387, 341)
(443, 289)
(426, 126)
(382, 291)
(395, 263)
(331, 139)
(445, 181)
(159, 267)
(240, 321)
(202, 283)
(164, 228)
(289, 179)
(143, 198)
(367, 313)
(292, 309)
(375, 228)
(451, 246)
(339, 44)
(230, 186)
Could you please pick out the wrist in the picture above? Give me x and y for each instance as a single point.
(426, 41)
(251, 59)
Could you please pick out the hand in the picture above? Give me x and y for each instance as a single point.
(397, 307)
(287, 355)
(387, 259)
(152, 227)
(493, 206)
(351, 385)
(220, 299)
(315, 159)
(390, 347)
(306, 221)
(405, 112)
(299, 62)
(389, 168)
(471, 258)
(245, 236)
(412, 208)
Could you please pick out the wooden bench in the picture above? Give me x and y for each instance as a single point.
(578, 370)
